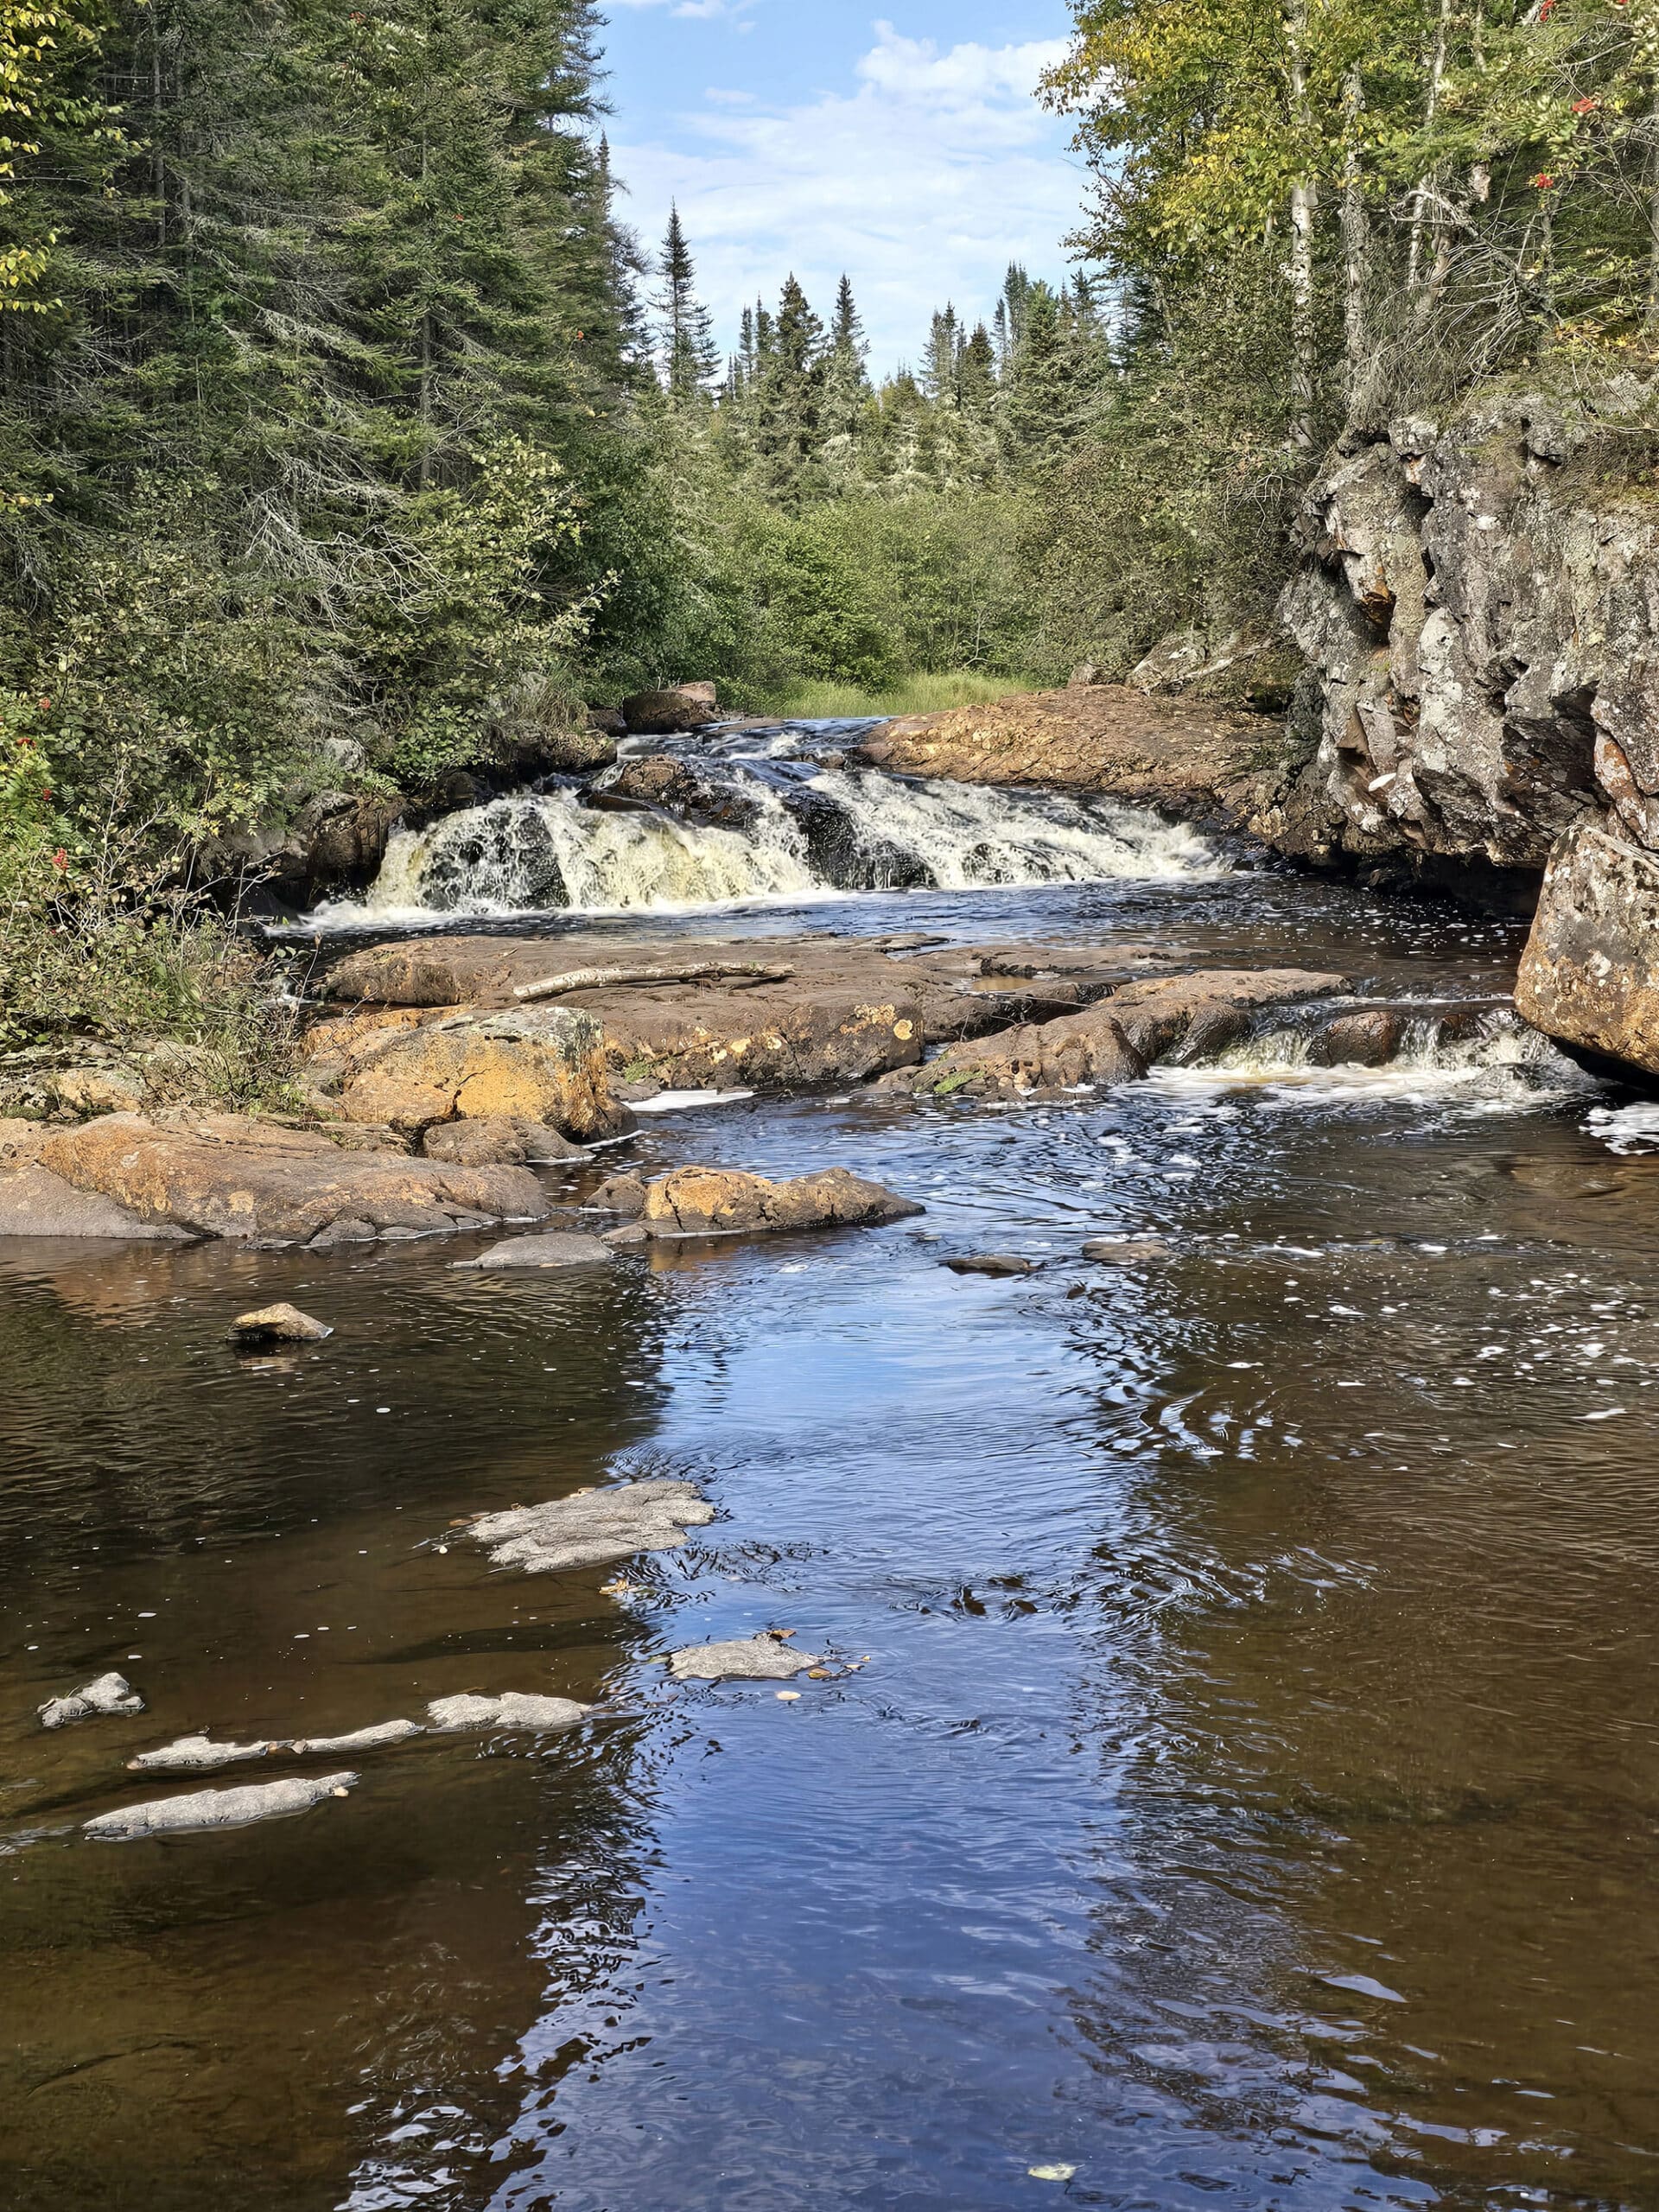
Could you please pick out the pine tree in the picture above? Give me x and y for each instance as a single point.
(691, 358)
(939, 360)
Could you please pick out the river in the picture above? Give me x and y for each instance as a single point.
(1235, 1778)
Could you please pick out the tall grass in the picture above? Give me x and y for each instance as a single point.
(909, 695)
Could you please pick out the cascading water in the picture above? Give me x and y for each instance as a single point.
(806, 830)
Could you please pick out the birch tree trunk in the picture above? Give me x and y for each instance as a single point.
(1431, 108)
(1304, 202)
(1356, 247)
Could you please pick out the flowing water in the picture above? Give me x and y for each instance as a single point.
(1238, 1779)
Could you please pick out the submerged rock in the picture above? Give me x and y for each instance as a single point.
(594, 1528)
(217, 1808)
(500, 1140)
(560, 1249)
(1125, 1251)
(726, 1202)
(377, 1738)
(228, 1175)
(513, 1711)
(767, 1657)
(199, 1755)
(991, 1264)
(277, 1324)
(110, 1693)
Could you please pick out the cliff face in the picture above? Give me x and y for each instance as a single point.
(1480, 607)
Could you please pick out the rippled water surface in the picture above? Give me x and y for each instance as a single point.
(1250, 1794)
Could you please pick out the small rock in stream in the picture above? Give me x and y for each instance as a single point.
(1125, 1251)
(991, 1264)
(624, 1194)
(764, 1658)
(277, 1324)
(595, 1529)
(198, 1755)
(216, 1809)
(377, 1738)
(558, 1249)
(516, 1710)
(109, 1694)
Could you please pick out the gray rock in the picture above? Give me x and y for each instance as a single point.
(624, 1194)
(198, 1755)
(1125, 1251)
(33, 1202)
(110, 1693)
(513, 1711)
(594, 1528)
(216, 1809)
(1590, 974)
(558, 1249)
(277, 1324)
(377, 1738)
(763, 1658)
(991, 1264)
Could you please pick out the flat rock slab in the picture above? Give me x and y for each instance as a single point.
(1125, 1251)
(513, 1711)
(277, 1324)
(33, 1202)
(1212, 1008)
(596, 1529)
(224, 1175)
(559, 1249)
(725, 1202)
(217, 1808)
(110, 1693)
(991, 1264)
(763, 1658)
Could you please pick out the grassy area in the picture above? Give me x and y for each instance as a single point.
(914, 695)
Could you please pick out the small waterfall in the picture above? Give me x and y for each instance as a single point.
(809, 830)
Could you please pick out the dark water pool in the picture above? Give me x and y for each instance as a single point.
(1252, 1795)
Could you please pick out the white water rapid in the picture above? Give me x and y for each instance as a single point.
(829, 832)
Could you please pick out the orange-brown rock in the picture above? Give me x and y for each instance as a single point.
(220, 1175)
(1074, 1050)
(539, 1064)
(725, 1202)
(1211, 1008)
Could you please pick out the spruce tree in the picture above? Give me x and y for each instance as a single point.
(846, 382)
(691, 358)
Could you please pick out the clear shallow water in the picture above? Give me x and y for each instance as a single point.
(1252, 1792)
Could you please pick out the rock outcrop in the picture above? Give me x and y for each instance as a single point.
(1590, 975)
(224, 1175)
(672, 711)
(541, 1064)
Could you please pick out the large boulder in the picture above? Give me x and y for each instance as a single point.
(726, 1202)
(538, 1065)
(1590, 975)
(670, 712)
(222, 1175)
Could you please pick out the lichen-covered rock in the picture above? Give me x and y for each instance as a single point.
(767, 1657)
(217, 1808)
(277, 1324)
(726, 1202)
(594, 1528)
(223, 1175)
(539, 1063)
(1066, 1054)
(499, 1142)
(110, 1693)
(1590, 974)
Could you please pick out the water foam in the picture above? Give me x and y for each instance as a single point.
(538, 852)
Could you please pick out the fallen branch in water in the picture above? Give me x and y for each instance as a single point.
(597, 979)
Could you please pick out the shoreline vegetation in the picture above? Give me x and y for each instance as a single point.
(351, 443)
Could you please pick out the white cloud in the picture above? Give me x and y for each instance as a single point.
(922, 183)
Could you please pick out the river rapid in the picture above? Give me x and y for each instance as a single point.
(1237, 1776)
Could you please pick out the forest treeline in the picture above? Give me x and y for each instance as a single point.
(348, 435)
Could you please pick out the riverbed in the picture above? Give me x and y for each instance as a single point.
(1234, 1774)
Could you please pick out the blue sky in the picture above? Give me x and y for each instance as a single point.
(900, 143)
